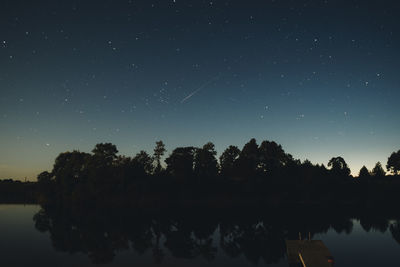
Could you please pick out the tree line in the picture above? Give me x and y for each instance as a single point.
(14, 191)
(262, 173)
(258, 236)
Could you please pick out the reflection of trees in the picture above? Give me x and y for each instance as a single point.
(101, 234)
(395, 230)
(374, 223)
(183, 244)
(342, 225)
(255, 239)
(70, 234)
(258, 242)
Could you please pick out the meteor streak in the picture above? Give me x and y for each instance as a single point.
(198, 89)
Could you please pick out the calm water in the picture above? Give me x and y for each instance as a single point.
(59, 240)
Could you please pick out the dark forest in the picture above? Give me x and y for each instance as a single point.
(255, 175)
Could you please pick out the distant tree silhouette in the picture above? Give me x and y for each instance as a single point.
(125, 171)
(70, 165)
(256, 174)
(180, 162)
(69, 169)
(105, 152)
(307, 172)
(205, 163)
(16, 191)
(102, 172)
(228, 160)
(339, 166)
(323, 168)
(393, 163)
(248, 159)
(364, 173)
(378, 171)
(143, 162)
(159, 151)
(44, 177)
(307, 163)
(271, 157)
(45, 182)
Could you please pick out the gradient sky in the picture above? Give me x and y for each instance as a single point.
(319, 77)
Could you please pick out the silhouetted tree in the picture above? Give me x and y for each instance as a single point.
(271, 157)
(70, 165)
(393, 163)
(339, 166)
(102, 171)
(69, 169)
(46, 186)
(378, 171)
(364, 173)
(105, 152)
(228, 160)
(307, 163)
(180, 162)
(44, 177)
(125, 172)
(307, 171)
(249, 159)
(159, 151)
(205, 163)
(143, 163)
(107, 179)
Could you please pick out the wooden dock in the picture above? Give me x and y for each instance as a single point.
(308, 253)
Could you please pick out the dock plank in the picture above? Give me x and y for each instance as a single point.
(313, 253)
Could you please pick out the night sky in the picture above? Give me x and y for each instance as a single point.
(319, 77)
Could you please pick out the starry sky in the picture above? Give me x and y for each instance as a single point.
(319, 77)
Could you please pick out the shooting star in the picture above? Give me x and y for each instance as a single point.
(198, 89)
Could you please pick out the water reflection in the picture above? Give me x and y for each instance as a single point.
(102, 233)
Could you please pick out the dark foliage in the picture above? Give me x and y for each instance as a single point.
(228, 162)
(17, 192)
(263, 174)
(378, 171)
(393, 163)
(364, 173)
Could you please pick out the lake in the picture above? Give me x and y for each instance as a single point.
(31, 236)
